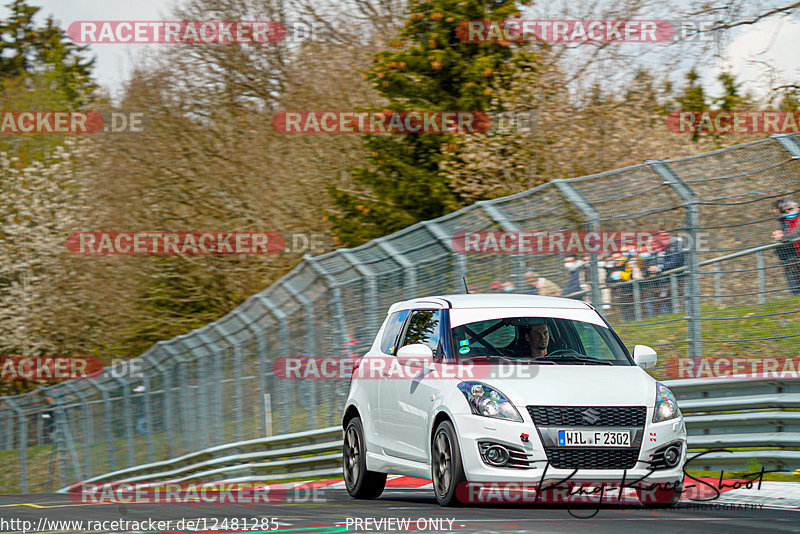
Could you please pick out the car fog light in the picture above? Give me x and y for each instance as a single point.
(672, 455)
(497, 455)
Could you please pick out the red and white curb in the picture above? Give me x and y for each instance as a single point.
(778, 495)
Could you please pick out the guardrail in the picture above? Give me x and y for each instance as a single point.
(316, 454)
(741, 413)
(311, 454)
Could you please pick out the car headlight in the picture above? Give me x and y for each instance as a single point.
(666, 405)
(486, 401)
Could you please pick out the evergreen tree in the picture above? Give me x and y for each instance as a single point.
(693, 97)
(29, 52)
(790, 101)
(731, 99)
(428, 68)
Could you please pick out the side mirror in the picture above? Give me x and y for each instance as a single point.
(644, 356)
(415, 355)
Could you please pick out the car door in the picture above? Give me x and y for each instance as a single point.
(406, 396)
(390, 338)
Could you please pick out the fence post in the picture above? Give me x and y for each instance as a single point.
(213, 386)
(311, 342)
(238, 400)
(637, 300)
(108, 422)
(7, 437)
(283, 333)
(372, 287)
(148, 417)
(409, 268)
(577, 199)
(166, 386)
(693, 263)
(182, 391)
(85, 427)
(673, 286)
(718, 284)
(127, 417)
(64, 433)
(336, 299)
(22, 429)
(261, 355)
(447, 242)
(507, 225)
(336, 295)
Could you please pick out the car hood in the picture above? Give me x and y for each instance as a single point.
(577, 385)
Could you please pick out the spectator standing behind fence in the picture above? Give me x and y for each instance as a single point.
(668, 255)
(650, 288)
(619, 273)
(48, 417)
(788, 253)
(577, 276)
(141, 420)
(539, 285)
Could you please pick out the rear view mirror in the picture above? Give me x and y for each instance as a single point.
(417, 355)
(644, 356)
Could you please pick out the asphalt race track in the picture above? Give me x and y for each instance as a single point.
(403, 509)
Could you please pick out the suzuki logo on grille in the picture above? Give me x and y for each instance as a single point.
(591, 416)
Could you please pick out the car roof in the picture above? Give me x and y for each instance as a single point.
(489, 300)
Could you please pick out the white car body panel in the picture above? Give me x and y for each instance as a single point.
(398, 414)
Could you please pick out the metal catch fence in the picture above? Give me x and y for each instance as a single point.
(733, 293)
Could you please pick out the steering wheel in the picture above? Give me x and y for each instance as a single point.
(565, 352)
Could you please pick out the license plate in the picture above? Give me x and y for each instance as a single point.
(594, 438)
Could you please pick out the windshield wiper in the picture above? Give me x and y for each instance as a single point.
(508, 359)
(573, 357)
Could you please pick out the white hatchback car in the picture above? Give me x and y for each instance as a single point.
(508, 389)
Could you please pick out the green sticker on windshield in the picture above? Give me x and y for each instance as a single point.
(464, 342)
(463, 350)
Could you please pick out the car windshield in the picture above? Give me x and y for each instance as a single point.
(543, 340)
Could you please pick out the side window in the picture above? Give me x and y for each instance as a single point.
(593, 343)
(392, 331)
(423, 328)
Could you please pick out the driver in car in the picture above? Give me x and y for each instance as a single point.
(538, 337)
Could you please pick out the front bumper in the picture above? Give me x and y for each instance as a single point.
(474, 429)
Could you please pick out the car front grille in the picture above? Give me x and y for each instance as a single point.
(571, 416)
(549, 419)
(592, 458)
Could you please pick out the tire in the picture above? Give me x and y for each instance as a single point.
(660, 498)
(361, 484)
(447, 471)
